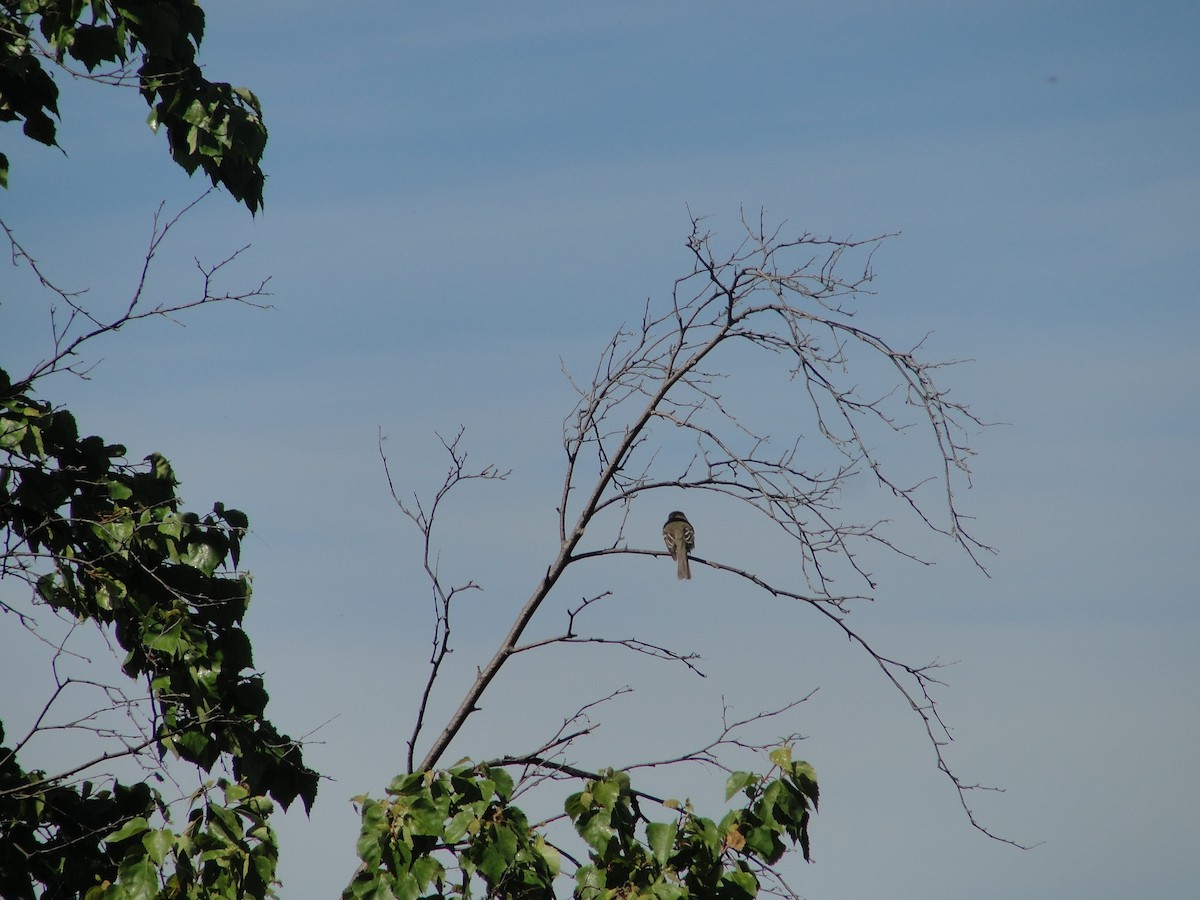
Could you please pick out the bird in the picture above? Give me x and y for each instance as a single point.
(680, 538)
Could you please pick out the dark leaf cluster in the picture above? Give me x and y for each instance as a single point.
(210, 125)
(107, 542)
(54, 835)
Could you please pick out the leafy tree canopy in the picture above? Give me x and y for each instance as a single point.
(442, 829)
(210, 125)
(104, 541)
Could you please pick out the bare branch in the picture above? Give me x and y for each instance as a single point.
(637, 646)
(730, 737)
(423, 515)
(578, 725)
(570, 636)
(72, 325)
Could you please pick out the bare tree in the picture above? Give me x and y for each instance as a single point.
(655, 417)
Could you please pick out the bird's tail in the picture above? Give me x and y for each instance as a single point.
(684, 569)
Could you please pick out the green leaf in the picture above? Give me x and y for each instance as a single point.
(130, 829)
(227, 820)
(426, 869)
(115, 533)
(591, 881)
(202, 555)
(738, 781)
(782, 757)
(406, 887)
(369, 850)
(660, 836)
(196, 114)
(708, 833)
(577, 804)
(745, 882)
(158, 844)
(166, 641)
(137, 879)
(596, 831)
(805, 778)
(459, 825)
(606, 793)
(109, 593)
(788, 805)
(403, 785)
(373, 889)
(763, 841)
(492, 864)
(12, 432)
(484, 787)
(666, 890)
(428, 816)
(550, 856)
(172, 527)
(503, 782)
(118, 490)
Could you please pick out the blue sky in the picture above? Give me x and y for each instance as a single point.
(459, 197)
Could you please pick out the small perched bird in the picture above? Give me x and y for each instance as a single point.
(680, 537)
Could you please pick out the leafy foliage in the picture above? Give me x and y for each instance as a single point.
(210, 125)
(433, 826)
(106, 542)
(226, 850)
(74, 856)
(441, 834)
(104, 845)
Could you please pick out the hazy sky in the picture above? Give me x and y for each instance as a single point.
(463, 195)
